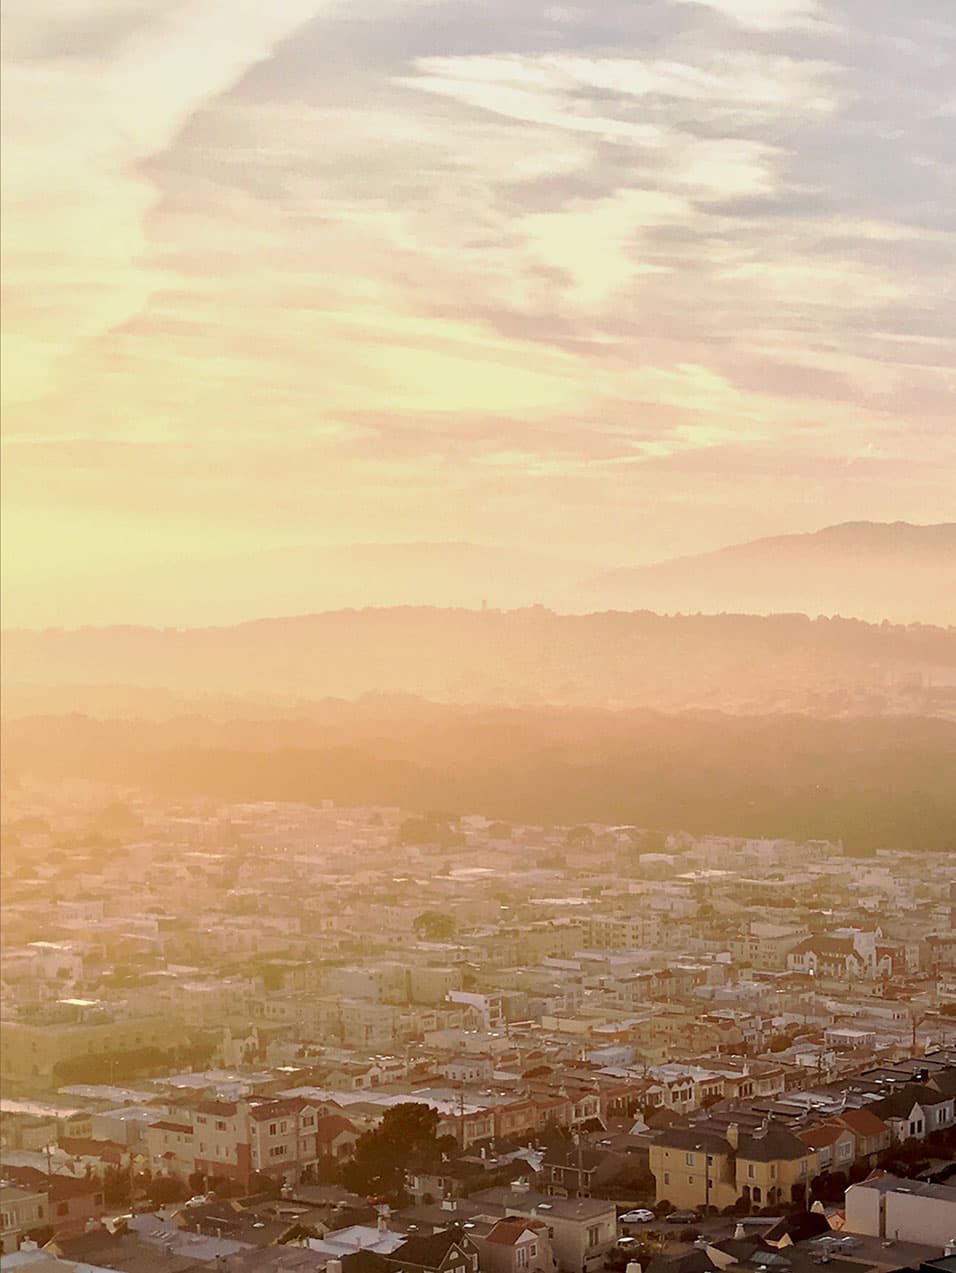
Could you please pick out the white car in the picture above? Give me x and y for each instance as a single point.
(640, 1216)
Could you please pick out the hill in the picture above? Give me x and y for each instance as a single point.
(732, 663)
(868, 570)
(871, 783)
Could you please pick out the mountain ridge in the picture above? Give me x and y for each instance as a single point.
(895, 571)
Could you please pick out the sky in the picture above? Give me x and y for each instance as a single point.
(604, 282)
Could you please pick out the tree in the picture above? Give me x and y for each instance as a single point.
(434, 926)
(262, 1182)
(116, 1187)
(407, 1137)
(166, 1189)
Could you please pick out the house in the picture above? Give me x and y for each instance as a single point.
(73, 1203)
(21, 1211)
(170, 1147)
(833, 1143)
(915, 1110)
(871, 1133)
(578, 1171)
(709, 1165)
(446, 1251)
(581, 1230)
(772, 1165)
(335, 1136)
(515, 1245)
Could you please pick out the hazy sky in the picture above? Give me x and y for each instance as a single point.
(617, 280)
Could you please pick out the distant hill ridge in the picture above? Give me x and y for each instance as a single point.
(872, 570)
(726, 662)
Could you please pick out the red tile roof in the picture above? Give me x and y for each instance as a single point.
(507, 1232)
(864, 1122)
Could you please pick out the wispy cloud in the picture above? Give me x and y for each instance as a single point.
(362, 262)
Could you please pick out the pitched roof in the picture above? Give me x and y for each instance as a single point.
(710, 1140)
(864, 1122)
(331, 1125)
(774, 1144)
(428, 1250)
(508, 1231)
(898, 1104)
(822, 1135)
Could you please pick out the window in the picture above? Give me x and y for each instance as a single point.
(689, 1159)
(756, 1193)
(690, 1180)
(532, 1249)
(751, 1171)
(521, 1257)
(594, 1234)
(272, 1129)
(220, 1125)
(773, 1171)
(667, 1177)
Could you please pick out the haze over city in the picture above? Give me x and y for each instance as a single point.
(478, 720)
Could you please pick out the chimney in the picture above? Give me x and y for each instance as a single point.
(733, 1136)
(333, 1266)
(739, 1232)
(382, 1223)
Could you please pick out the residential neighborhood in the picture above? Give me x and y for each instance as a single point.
(217, 1017)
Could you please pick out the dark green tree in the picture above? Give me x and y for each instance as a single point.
(406, 1139)
(434, 926)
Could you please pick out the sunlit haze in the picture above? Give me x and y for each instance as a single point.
(602, 284)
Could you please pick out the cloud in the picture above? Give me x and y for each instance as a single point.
(408, 266)
(74, 129)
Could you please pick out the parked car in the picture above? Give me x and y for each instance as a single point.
(682, 1217)
(640, 1215)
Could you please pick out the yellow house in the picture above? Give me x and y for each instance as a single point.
(710, 1165)
(773, 1166)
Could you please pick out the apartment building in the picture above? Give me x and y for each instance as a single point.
(236, 1139)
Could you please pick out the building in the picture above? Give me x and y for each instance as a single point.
(515, 1245)
(896, 1210)
(581, 1230)
(236, 1139)
(21, 1212)
(707, 1165)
